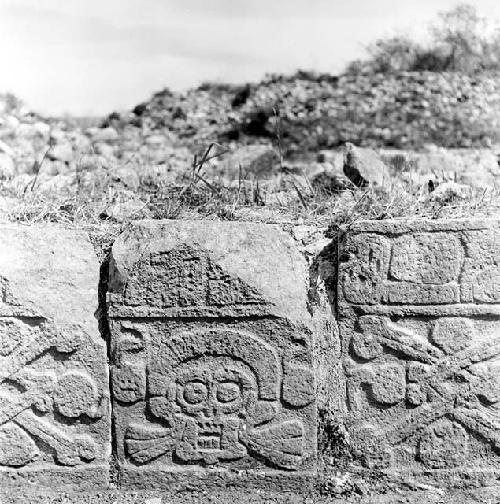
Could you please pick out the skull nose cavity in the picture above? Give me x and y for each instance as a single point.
(209, 426)
(208, 411)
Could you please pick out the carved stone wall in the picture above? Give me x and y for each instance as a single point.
(222, 346)
(54, 415)
(419, 315)
(211, 352)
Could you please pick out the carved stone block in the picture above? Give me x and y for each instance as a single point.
(419, 315)
(212, 367)
(54, 401)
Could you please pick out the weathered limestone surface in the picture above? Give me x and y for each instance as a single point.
(211, 354)
(54, 412)
(223, 347)
(419, 316)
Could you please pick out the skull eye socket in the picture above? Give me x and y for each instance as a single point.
(195, 392)
(228, 391)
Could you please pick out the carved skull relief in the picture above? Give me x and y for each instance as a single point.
(211, 350)
(218, 395)
(211, 403)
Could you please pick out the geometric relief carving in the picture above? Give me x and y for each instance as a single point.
(221, 398)
(37, 403)
(29, 396)
(423, 382)
(209, 391)
(193, 279)
(53, 387)
(426, 258)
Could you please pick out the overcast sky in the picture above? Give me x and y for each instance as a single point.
(94, 56)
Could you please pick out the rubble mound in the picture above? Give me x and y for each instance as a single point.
(318, 111)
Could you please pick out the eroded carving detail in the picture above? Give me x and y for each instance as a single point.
(459, 381)
(423, 268)
(194, 279)
(219, 393)
(30, 397)
(208, 368)
(423, 386)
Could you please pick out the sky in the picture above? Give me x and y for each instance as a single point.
(90, 57)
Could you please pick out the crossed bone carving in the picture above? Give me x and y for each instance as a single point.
(439, 397)
(211, 430)
(280, 444)
(36, 391)
(218, 395)
(31, 349)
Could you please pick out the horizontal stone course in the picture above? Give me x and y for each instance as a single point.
(221, 354)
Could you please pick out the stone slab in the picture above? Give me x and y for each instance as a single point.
(419, 320)
(54, 399)
(211, 353)
(262, 496)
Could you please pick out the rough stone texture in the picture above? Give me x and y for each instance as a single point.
(260, 496)
(364, 167)
(258, 160)
(419, 317)
(211, 354)
(54, 401)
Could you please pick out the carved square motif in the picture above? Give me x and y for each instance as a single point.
(420, 323)
(211, 352)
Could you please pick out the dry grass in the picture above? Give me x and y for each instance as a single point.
(398, 203)
(101, 203)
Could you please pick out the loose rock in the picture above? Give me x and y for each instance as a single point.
(364, 167)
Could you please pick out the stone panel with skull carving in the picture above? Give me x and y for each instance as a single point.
(211, 369)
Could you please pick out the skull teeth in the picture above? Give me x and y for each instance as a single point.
(209, 435)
